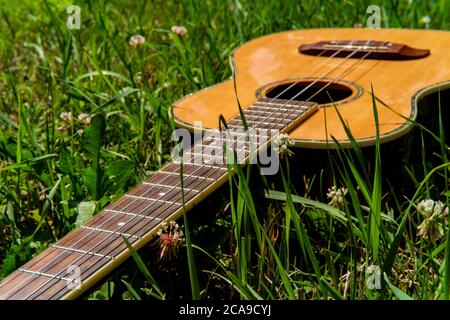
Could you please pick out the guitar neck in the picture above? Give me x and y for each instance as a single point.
(86, 255)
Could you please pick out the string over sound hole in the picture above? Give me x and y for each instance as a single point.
(321, 92)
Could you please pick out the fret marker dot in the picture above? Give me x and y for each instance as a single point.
(121, 224)
(161, 194)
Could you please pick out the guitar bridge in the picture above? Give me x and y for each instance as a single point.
(366, 49)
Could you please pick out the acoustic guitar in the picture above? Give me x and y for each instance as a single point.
(296, 82)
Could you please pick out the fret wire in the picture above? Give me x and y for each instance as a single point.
(205, 165)
(239, 127)
(113, 249)
(129, 220)
(216, 157)
(250, 117)
(246, 134)
(223, 141)
(37, 289)
(80, 251)
(227, 142)
(282, 103)
(109, 231)
(192, 176)
(286, 114)
(221, 158)
(249, 123)
(256, 111)
(131, 214)
(45, 275)
(287, 110)
(230, 142)
(259, 125)
(152, 199)
(160, 185)
(9, 291)
(55, 277)
(272, 113)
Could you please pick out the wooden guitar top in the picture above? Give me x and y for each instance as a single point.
(276, 57)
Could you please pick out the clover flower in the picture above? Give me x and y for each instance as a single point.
(85, 118)
(426, 20)
(136, 41)
(66, 116)
(336, 196)
(179, 30)
(282, 144)
(170, 239)
(435, 213)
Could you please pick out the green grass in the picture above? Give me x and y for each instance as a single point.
(55, 172)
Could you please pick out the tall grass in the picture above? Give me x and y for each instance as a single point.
(57, 170)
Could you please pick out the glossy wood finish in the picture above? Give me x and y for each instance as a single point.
(400, 84)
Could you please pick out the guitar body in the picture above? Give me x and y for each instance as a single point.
(274, 60)
(286, 82)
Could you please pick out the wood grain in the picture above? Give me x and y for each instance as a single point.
(275, 57)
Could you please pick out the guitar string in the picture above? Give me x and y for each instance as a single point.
(334, 80)
(345, 72)
(321, 77)
(341, 76)
(107, 237)
(311, 72)
(215, 171)
(155, 201)
(337, 79)
(132, 202)
(42, 268)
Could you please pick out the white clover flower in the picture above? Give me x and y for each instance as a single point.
(426, 207)
(179, 30)
(426, 20)
(85, 118)
(438, 207)
(170, 239)
(336, 196)
(66, 116)
(136, 41)
(435, 214)
(282, 144)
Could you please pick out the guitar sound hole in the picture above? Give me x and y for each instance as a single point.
(322, 92)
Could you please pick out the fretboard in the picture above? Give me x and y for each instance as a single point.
(86, 255)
